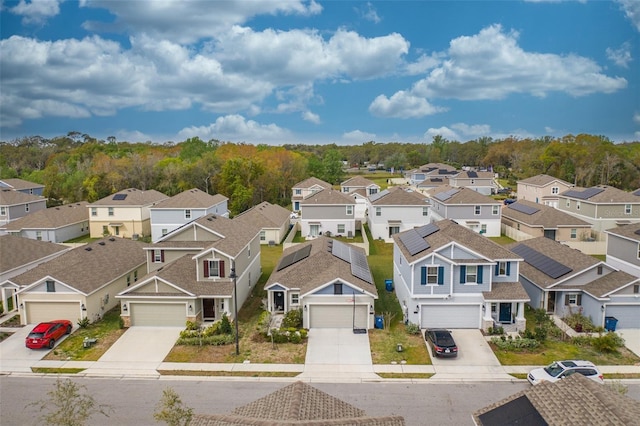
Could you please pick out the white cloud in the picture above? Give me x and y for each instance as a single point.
(402, 105)
(237, 128)
(636, 117)
(443, 131)
(36, 11)
(473, 131)
(358, 137)
(311, 117)
(631, 9)
(133, 136)
(368, 12)
(620, 56)
(423, 64)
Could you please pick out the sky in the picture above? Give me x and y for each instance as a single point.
(318, 72)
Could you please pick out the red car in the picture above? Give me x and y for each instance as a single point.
(45, 334)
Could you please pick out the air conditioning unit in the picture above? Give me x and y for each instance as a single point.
(134, 237)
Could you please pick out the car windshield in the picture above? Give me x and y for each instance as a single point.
(554, 369)
(36, 335)
(444, 338)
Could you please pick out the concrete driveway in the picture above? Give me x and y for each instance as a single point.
(631, 338)
(15, 356)
(337, 354)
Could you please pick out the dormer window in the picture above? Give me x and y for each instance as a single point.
(51, 286)
(297, 191)
(158, 256)
(187, 214)
(555, 190)
(477, 210)
(214, 268)
(349, 210)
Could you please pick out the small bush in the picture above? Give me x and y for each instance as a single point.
(225, 325)
(84, 322)
(295, 338)
(541, 334)
(192, 325)
(412, 328)
(288, 336)
(495, 331)
(292, 319)
(515, 344)
(582, 341)
(609, 342)
(219, 340)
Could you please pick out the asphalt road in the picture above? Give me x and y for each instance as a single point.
(133, 400)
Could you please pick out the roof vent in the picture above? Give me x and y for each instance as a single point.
(101, 243)
(112, 239)
(88, 248)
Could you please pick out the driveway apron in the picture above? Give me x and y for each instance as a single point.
(15, 356)
(337, 354)
(631, 338)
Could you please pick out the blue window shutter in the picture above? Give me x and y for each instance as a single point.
(497, 269)
(508, 268)
(463, 274)
(423, 275)
(440, 275)
(479, 279)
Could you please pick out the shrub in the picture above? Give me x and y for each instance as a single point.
(582, 340)
(225, 325)
(495, 331)
(541, 333)
(84, 322)
(609, 342)
(219, 340)
(295, 338)
(515, 344)
(412, 328)
(292, 319)
(288, 336)
(192, 325)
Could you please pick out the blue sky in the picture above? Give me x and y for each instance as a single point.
(317, 72)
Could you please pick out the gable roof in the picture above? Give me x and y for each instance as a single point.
(87, 268)
(571, 258)
(235, 234)
(18, 184)
(543, 216)
(609, 283)
(296, 404)
(265, 215)
(460, 196)
(435, 169)
(9, 197)
(327, 197)
(359, 181)
(191, 198)
(470, 174)
(447, 231)
(18, 251)
(318, 268)
(604, 194)
(51, 218)
(399, 196)
(432, 181)
(630, 231)
(131, 197)
(574, 400)
(312, 181)
(542, 180)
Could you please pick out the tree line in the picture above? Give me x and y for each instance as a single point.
(77, 167)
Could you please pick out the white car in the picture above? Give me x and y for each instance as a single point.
(561, 369)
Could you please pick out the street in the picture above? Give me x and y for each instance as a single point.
(134, 400)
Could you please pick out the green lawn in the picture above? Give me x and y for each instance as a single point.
(503, 240)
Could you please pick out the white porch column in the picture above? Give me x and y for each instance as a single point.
(520, 315)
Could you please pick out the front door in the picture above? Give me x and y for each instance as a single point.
(505, 313)
(551, 302)
(278, 300)
(314, 230)
(208, 309)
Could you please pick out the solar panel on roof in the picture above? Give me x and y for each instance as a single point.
(294, 257)
(637, 232)
(523, 209)
(119, 197)
(583, 195)
(359, 266)
(378, 195)
(341, 250)
(541, 262)
(472, 174)
(636, 192)
(445, 195)
(413, 242)
(426, 230)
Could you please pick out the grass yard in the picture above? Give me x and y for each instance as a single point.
(503, 240)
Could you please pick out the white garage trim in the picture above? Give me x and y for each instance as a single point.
(158, 314)
(450, 316)
(628, 316)
(37, 312)
(338, 316)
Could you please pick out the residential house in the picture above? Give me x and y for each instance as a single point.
(469, 208)
(479, 181)
(330, 281)
(623, 248)
(415, 176)
(182, 208)
(18, 256)
(80, 283)
(540, 220)
(542, 189)
(431, 182)
(327, 212)
(23, 186)
(563, 280)
(302, 190)
(359, 188)
(16, 204)
(446, 275)
(125, 214)
(55, 224)
(297, 404)
(394, 210)
(272, 219)
(604, 207)
(574, 400)
(196, 273)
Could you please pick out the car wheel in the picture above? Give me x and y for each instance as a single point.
(52, 343)
(69, 328)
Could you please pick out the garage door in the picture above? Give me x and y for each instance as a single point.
(47, 311)
(158, 314)
(453, 316)
(337, 316)
(628, 316)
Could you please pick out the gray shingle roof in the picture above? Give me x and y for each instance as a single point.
(131, 197)
(51, 218)
(573, 401)
(627, 231)
(463, 196)
(609, 283)
(297, 404)
(608, 195)
(192, 198)
(89, 267)
(265, 215)
(328, 197)
(398, 196)
(546, 216)
(19, 184)
(18, 251)
(236, 234)
(312, 181)
(9, 197)
(358, 181)
(542, 180)
(506, 291)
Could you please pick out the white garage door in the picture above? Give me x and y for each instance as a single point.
(337, 316)
(47, 311)
(628, 316)
(452, 316)
(158, 314)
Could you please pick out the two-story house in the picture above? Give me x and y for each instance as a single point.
(196, 273)
(328, 280)
(623, 248)
(467, 207)
(603, 206)
(395, 210)
(302, 190)
(415, 176)
(272, 219)
(80, 283)
(327, 212)
(540, 220)
(542, 189)
(23, 186)
(446, 275)
(55, 224)
(182, 208)
(125, 214)
(479, 181)
(563, 280)
(359, 188)
(16, 204)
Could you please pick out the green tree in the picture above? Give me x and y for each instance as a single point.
(172, 410)
(332, 171)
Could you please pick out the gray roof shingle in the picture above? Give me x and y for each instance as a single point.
(630, 231)
(542, 180)
(192, 198)
(265, 215)
(328, 197)
(546, 216)
(131, 197)
(51, 218)
(9, 197)
(399, 196)
(18, 251)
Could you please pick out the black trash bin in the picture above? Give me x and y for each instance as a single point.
(610, 323)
